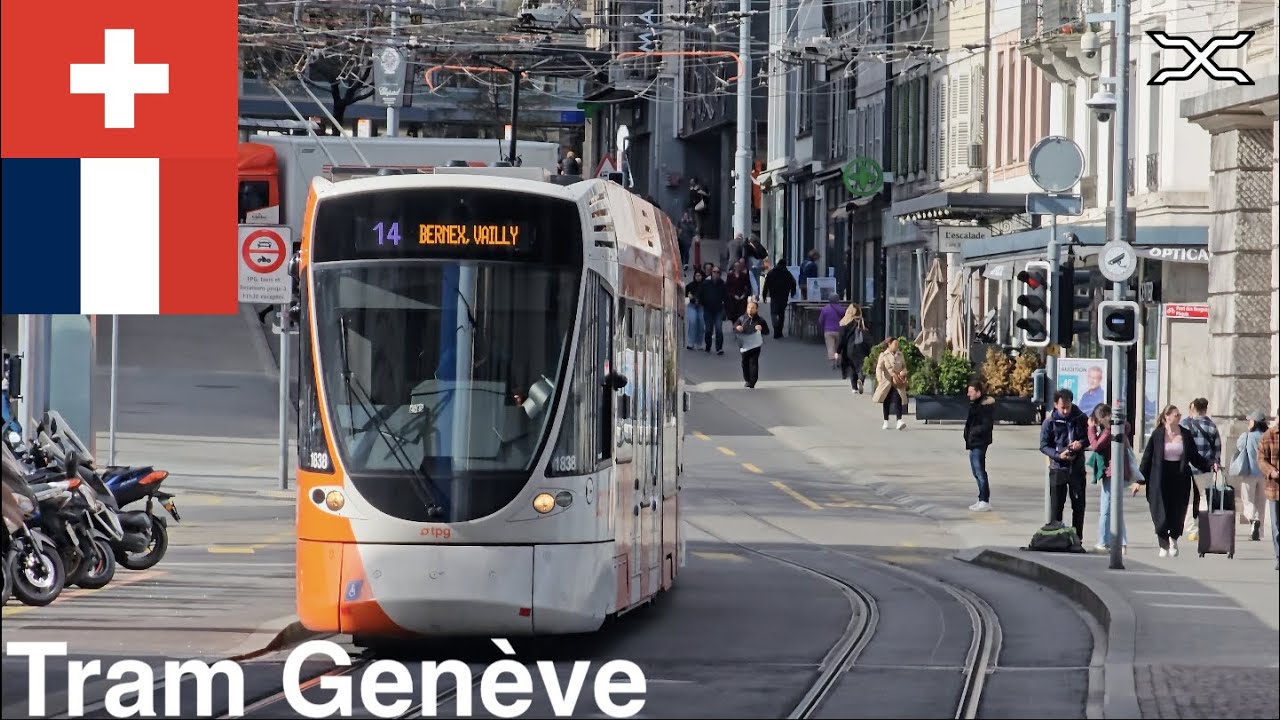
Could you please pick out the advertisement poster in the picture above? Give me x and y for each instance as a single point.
(1150, 394)
(1086, 378)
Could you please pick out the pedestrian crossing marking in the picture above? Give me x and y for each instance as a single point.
(726, 451)
(231, 549)
(752, 468)
(839, 501)
(700, 436)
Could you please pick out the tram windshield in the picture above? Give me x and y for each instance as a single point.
(440, 373)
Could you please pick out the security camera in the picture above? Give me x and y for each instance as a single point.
(1089, 44)
(1103, 105)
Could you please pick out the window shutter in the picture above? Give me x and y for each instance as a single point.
(978, 112)
(941, 138)
(963, 118)
(951, 126)
(935, 98)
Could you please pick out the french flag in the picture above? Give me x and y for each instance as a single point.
(119, 159)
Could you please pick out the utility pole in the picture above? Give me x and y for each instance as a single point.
(393, 112)
(515, 113)
(742, 156)
(1051, 357)
(1119, 17)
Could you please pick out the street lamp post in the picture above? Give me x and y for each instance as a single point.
(742, 155)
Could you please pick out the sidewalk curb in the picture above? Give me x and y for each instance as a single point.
(279, 634)
(1109, 608)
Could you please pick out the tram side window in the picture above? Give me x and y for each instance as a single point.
(313, 450)
(581, 446)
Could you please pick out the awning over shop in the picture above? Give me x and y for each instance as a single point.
(1176, 243)
(972, 207)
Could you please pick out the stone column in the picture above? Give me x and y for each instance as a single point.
(1242, 277)
(1274, 395)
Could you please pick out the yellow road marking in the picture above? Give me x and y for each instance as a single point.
(841, 502)
(71, 593)
(988, 518)
(800, 498)
(728, 557)
(752, 468)
(726, 450)
(231, 549)
(908, 543)
(700, 436)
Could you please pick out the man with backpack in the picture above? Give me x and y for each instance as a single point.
(1064, 435)
(1208, 444)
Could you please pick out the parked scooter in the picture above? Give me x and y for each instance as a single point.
(128, 531)
(34, 569)
(131, 484)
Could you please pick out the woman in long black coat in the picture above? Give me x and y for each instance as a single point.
(1166, 472)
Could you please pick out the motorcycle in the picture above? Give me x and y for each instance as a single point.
(34, 570)
(125, 531)
(131, 484)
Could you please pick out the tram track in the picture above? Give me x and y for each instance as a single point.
(981, 657)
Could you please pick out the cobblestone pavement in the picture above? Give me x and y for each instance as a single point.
(1192, 691)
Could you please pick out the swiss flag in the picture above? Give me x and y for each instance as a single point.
(152, 80)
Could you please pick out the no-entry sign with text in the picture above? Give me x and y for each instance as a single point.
(263, 252)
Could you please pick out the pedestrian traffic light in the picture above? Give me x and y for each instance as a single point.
(1118, 322)
(1035, 323)
(1072, 294)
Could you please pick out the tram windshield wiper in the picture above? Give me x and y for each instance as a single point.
(419, 480)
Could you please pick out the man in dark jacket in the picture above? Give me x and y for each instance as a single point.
(712, 295)
(1063, 438)
(779, 286)
(978, 429)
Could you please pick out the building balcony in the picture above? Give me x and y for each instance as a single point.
(1153, 172)
(1050, 37)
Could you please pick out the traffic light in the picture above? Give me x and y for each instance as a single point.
(1072, 293)
(1118, 322)
(1035, 325)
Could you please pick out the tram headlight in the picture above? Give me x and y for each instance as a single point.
(334, 500)
(544, 503)
(564, 498)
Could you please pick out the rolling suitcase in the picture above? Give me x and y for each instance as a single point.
(1218, 525)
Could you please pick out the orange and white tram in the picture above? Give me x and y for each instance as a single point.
(491, 413)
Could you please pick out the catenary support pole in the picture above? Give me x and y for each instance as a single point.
(515, 114)
(742, 155)
(284, 397)
(1119, 231)
(114, 410)
(393, 112)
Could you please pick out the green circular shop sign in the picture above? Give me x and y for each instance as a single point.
(862, 177)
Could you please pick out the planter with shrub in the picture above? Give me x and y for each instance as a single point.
(1011, 383)
(939, 389)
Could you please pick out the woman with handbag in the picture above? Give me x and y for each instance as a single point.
(891, 383)
(1166, 474)
(853, 346)
(1100, 444)
(751, 329)
(693, 311)
(1245, 467)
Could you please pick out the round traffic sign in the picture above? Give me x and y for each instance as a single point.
(1118, 261)
(263, 251)
(1056, 164)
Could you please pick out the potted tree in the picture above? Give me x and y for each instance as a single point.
(939, 390)
(1018, 406)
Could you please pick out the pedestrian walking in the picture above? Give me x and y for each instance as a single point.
(1209, 442)
(751, 329)
(1166, 465)
(1252, 482)
(829, 322)
(755, 255)
(1269, 463)
(1100, 444)
(891, 383)
(700, 204)
(693, 311)
(1063, 436)
(739, 287)
(854, 346)
(712, 296)
(979, 429)
(779, 286)
(686, 232)
(808, 270)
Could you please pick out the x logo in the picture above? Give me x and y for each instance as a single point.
(1201, 57)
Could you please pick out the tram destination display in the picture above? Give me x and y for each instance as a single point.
(446, 224)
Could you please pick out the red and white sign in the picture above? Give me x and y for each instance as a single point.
(263, 259)
(1194, 311)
